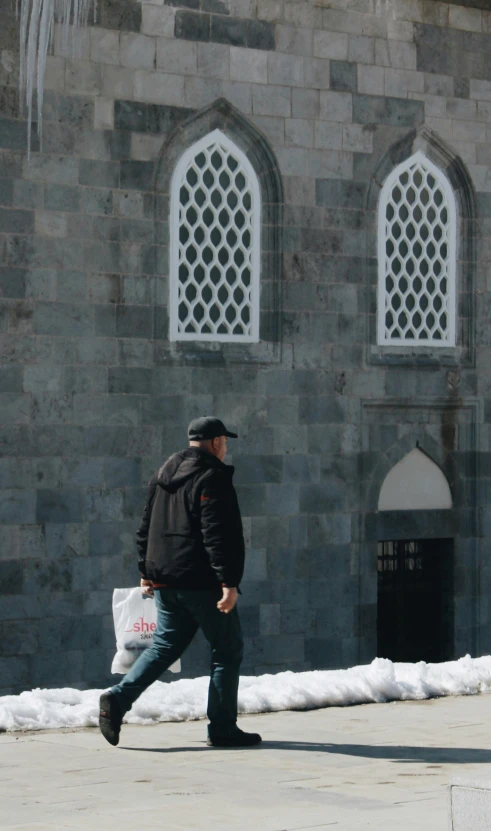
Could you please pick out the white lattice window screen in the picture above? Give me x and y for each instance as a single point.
(417, 256)
(215, 244)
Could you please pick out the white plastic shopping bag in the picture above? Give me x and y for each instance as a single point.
(135, 620)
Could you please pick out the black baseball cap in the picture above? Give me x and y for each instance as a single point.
(208, 427)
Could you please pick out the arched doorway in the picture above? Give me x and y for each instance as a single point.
(415, 573)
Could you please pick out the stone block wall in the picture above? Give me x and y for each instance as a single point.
(92, 394)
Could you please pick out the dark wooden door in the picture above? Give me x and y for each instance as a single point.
(415, 600)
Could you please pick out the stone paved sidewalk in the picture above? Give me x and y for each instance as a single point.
(382, 766)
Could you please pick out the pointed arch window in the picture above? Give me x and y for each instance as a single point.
(417, 232)
(215, 244)
(415, 483)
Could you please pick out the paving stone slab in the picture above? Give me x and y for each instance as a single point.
(362, 767)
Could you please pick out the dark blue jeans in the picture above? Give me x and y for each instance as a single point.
(180, 613)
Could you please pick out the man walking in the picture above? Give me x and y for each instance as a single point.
(191, 549)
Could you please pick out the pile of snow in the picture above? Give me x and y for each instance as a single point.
(186, 699)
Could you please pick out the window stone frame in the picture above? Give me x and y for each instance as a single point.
(248, 138)
(452, 167)
(392, 182)
(178, 181)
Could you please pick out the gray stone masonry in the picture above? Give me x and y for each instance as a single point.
(325, 98)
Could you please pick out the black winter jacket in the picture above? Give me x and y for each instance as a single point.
(191, 533)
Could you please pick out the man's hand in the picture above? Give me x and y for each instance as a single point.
(228, 601)
(146, 586)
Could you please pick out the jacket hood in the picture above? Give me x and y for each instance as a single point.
(184, 465)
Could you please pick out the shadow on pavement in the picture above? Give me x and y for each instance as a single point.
(396, 753)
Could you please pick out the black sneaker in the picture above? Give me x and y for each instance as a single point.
(236, 739)
(110, 718)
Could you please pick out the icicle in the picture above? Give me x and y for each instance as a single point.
(45, 29)
(38, 21)
(32, 52)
